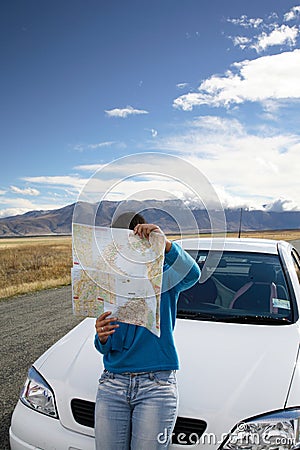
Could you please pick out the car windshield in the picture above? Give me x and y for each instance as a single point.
(244, 288)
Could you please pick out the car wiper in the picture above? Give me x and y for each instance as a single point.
(268, 320)
(186, 314)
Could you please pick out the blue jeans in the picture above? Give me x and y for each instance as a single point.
(135, 411)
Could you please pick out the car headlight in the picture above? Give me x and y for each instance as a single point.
(275, 431)
(38, 395)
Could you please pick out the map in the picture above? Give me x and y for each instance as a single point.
(115, 270)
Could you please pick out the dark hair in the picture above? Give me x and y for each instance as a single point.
(128, 220)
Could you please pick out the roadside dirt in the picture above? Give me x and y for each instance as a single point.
(296, 244)
(29, 324)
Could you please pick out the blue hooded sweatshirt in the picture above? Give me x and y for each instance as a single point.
(134, 348)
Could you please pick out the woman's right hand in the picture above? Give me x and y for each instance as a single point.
(103, 326)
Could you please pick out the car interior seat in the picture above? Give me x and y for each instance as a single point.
(201, 292)
(258, 293)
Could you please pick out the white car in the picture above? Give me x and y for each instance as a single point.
(237, 336)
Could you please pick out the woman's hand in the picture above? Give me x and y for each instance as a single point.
(143, 230)
(103, 326)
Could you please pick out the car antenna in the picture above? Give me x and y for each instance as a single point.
(240, 225)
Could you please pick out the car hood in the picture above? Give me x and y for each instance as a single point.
(228, 372)
(231, 372)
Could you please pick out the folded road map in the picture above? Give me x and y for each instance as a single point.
(115, 270)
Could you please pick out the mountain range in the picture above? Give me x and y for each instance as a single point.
(168, 214)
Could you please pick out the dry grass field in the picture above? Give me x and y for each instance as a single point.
(31, 264)
(285, 235)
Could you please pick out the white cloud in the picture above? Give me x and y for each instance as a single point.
(89, 167)
(247, 168)
(18, 202)
(273, 77)
(143, 176)
(273, 32)
(125, 112)
(293, 14)
(186, 102)
(67, 180)
(7, 212)
(215, 125)
(273, 16)
(24, 205)
(255, 23)
(92, 188)
(2, 192)
(10, 206)
(25, 191)
(82, 147)
(280, 35)
(245, 22)
(182, 85)
(153, 132)
(17, 206)
(281, 205)
(241, 41)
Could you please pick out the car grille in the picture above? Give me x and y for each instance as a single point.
(83, 412)
(186, 432)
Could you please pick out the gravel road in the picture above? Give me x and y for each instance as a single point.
(296, 244)
(29, 325)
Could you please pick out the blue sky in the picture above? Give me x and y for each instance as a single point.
(86, 82)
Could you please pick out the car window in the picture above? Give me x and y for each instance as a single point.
(245, 287)
(296, 261)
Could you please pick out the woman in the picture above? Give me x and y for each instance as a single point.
(136, 405)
